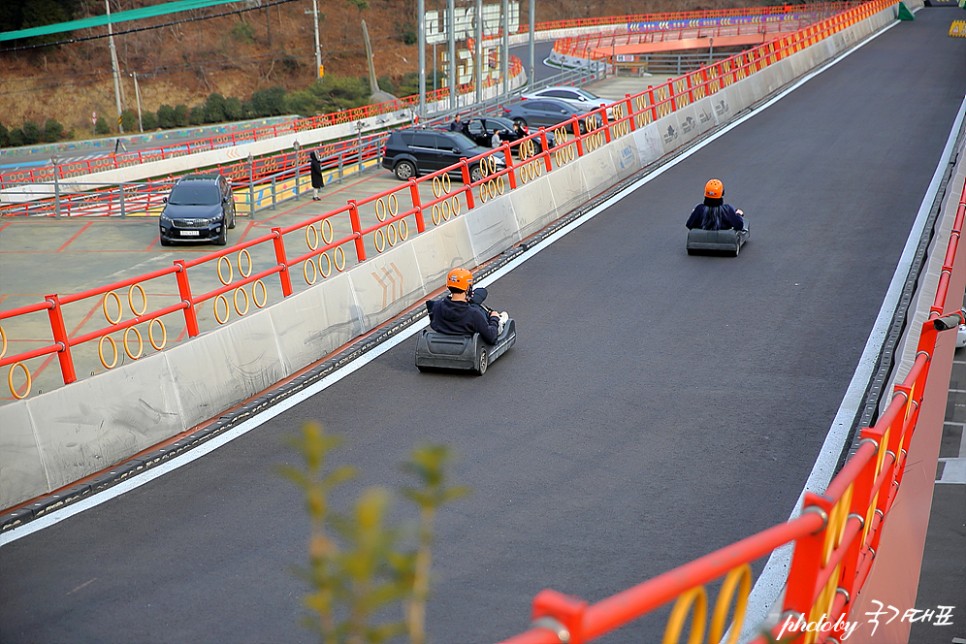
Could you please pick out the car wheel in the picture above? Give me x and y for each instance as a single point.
(691, 251)
(232, 224)
(482, 361)
(475, 174)
(223, 236)
(737, 248)
(405, 170)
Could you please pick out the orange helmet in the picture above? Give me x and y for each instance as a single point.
(459, 279)
(714, 189)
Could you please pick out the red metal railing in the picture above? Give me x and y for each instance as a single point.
(370, 224)
(834, 537)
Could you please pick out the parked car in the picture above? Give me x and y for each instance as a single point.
(412, 152)
(575, 96)
(481, 130)
(200, 208)
(549, 112)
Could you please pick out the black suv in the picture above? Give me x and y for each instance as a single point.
(200, 208)
(413, 152)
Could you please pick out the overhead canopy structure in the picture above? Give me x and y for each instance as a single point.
(114, 18)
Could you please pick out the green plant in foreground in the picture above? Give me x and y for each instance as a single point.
(359, 567)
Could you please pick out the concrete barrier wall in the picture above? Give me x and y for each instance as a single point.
(54, 439)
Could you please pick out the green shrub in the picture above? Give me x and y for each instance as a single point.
(129, 121)
(268, 102)
(16, 137)
(233, 109)
(166, 117)
(31, 133)
(196, 116)
(149, 120)
(242, 32)
(4, 136)
(53, 131)
(181, 116)
(214, 108)
(102, 126)
(359, 565)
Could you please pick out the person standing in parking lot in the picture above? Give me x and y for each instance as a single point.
(315, 168)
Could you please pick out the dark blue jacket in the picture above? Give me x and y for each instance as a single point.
(462, 318)
(720, 217)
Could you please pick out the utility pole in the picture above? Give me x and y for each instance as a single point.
(137, 97)
(117, 76)
(421, 43)
(320, 72)
(478, 57)
(451, 23)
(533, 16)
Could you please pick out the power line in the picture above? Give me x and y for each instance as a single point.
(70, 41)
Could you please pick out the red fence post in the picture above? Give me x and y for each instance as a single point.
(357, 230)
(184, 290)
(418, 205)
(283, 275)
(59, 331)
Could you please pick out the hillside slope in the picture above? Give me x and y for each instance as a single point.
(236, 54)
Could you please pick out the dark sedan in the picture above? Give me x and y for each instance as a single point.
(549, 113)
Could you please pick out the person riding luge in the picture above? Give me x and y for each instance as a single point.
(713, 213)
(462, 311)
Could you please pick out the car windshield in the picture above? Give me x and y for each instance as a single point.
(589, 95)
(194, 194)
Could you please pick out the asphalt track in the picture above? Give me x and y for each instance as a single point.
(656, 406)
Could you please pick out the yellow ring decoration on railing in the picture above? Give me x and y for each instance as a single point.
(127, 347)
(100, 351)
(572, 152)
(456, 206)
(447, 209)
(27, 377)
(388, 207)
(837, 519)
(339, 259)
(164, 334)
(500, 184)
(234, 298)
(117, 300)
(305, 272)
(379, 239)
(224, 261)
(327, 232)
(221, 318)
(3, 342)
(245, 272)
(392, 235)
(130, 299)
(312, 243)
(740, 575)
(255, 301)
(403, 229)
(328, 265)
(437, 217)
(681, 609)
(484, 193)
(527, 149)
